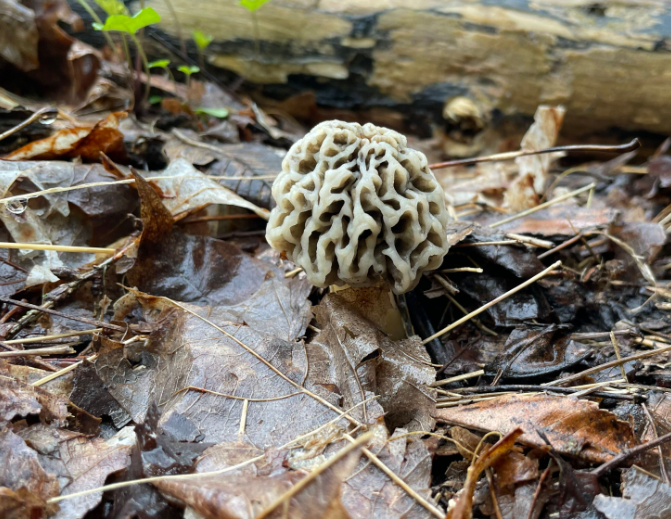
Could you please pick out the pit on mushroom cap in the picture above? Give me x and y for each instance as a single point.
(355, 206)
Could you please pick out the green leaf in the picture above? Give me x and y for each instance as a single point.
(159, 63)
(112, 7)
(252, 5)
(220, 113)
(124, 23)
(184, 69)
(154, 100)
(202, 39)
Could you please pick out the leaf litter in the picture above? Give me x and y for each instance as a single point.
(210, 379)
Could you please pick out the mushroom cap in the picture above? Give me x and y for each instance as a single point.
(355, 205)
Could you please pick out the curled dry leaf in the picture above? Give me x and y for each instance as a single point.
(524, 192)
(21, 399)
(86, 143)
(574, 427)
(187, 189)
(18, 35)
(490, 454)
(643, 497)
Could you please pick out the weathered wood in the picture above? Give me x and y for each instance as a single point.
(607, 62)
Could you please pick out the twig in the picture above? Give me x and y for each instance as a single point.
(616, 347)
(314, 473)
(561, 246)
(57, 248)
(493, 302)
(51, 350)
(660, 453)
(293, 272)
(537, 493)
(456, 303)
(86, 320)
(458, 378)
(485, 244)
(63, 371)
(544, 205)
(510, 155)
(621, 458)
(530, 240)
(537, 388)
(45, 113)
(461, 269)
(45, 338)
(612, 363)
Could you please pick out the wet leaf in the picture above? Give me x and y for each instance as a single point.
(643, 497)
(86, 143)
(352, 355)
(245, 495)
(370, 493)
(20, 399)
(25, 481)
(574, 427)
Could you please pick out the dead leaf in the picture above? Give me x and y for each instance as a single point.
(20, 399)
(18, 35)
(370, 493)
(533, 175)
(23, 475)
(574, 427)
(344, 354)
(643, 497)
(245, 495)
(86, 143)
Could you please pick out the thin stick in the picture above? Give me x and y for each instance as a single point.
(42, 112)
(493, 302)
(461, 269)
(493, 390)
(86, 320)
(63, 371)
(458, 378)
(51, 337)
(621, 458)
(543, 206)
(456, 303)
(543, 244)
(485, 244)
(616, 347)
(243, 419)
(612, 363)
(51, 350)
(660, 453)
(313, 475)
(561, 246)
(293, 272)
(57, 248)
(510, 155)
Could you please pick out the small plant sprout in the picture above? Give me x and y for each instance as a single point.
(202, 40)
(130, 25)
(187, 70)
(165, 65)
(112, 7)
(219, 113)
(252, 6)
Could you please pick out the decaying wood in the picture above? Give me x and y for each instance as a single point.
(607, 62)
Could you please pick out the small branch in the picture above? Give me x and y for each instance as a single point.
(51, 350)
(543, 206)
(63, 371)
(42, 113)
(493, 302)
(45, 338)
(623, 148)
(613, 363)
(57, 248)
(621, 458)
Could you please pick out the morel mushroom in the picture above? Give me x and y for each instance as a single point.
(355, 205)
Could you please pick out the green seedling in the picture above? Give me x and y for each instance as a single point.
(252, 6)
(165, 65)
(155, 100)
(130, 25)
(202, 41)
(219, 113)
(112, 7)
(187, 70)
